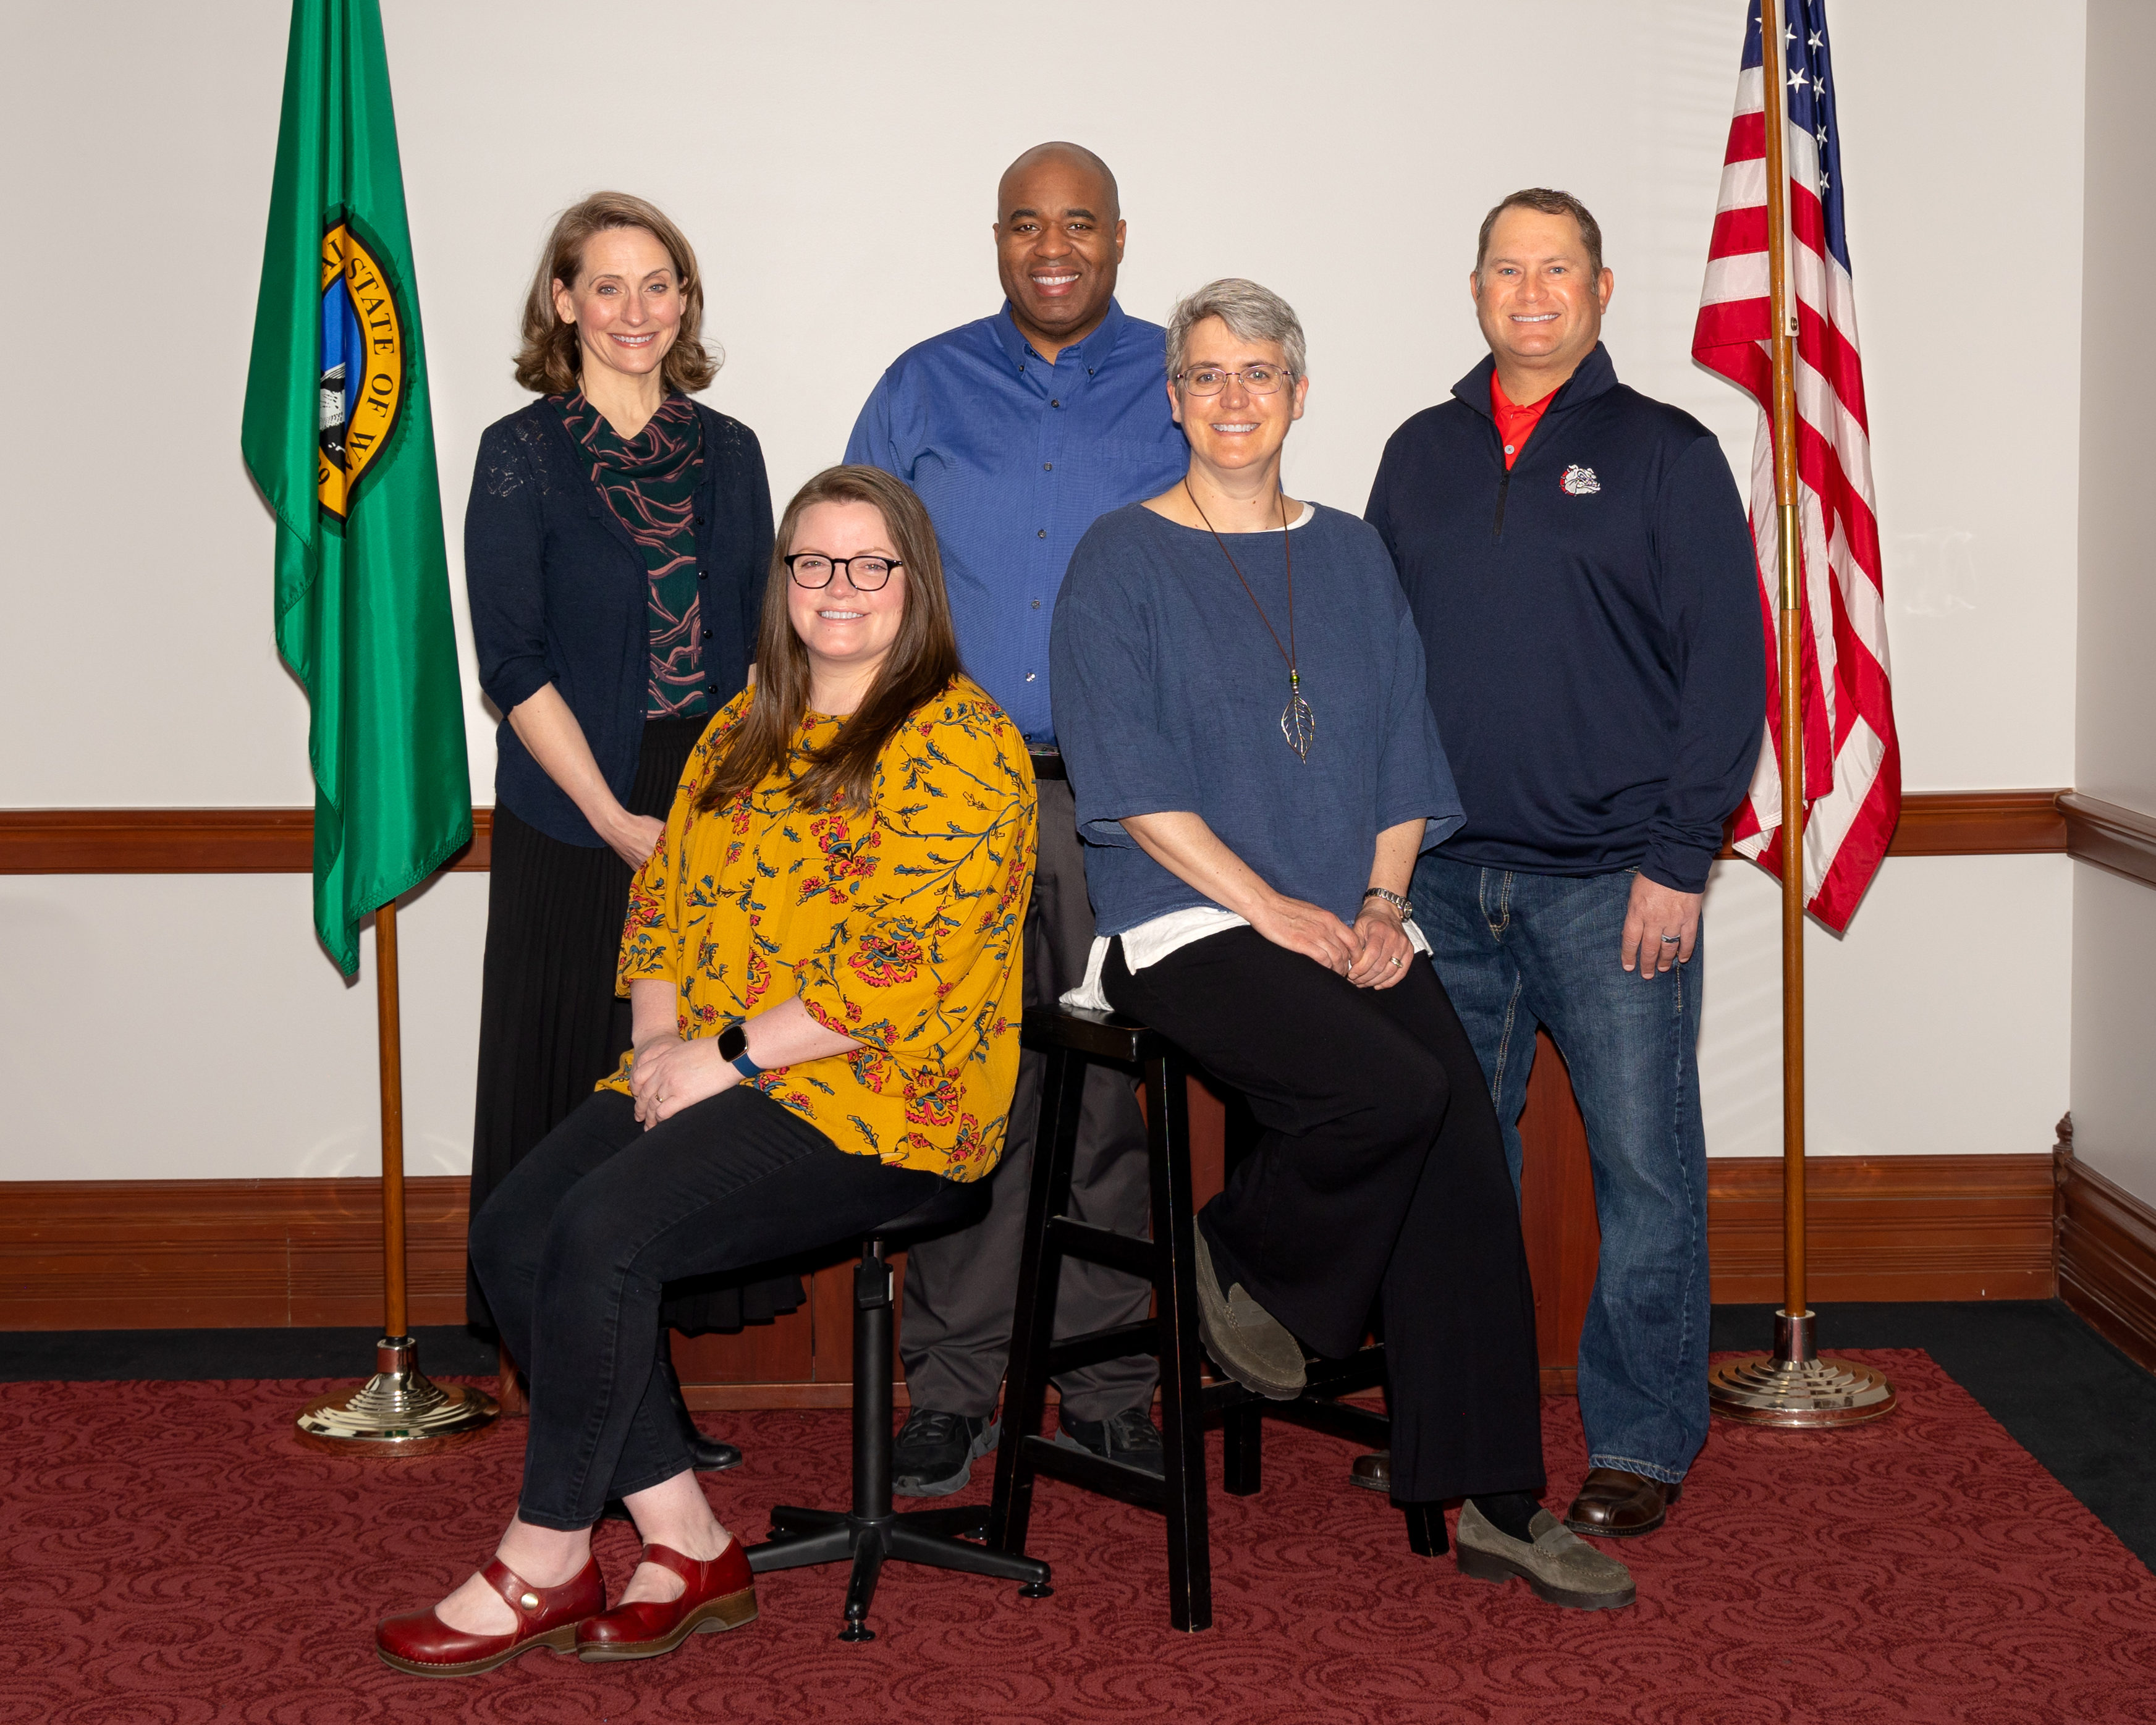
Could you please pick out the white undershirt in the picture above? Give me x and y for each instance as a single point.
(1154, 939)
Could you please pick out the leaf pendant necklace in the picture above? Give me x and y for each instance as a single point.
(1297, 723)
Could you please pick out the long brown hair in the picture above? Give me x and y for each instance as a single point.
(550, 361)
(922, 663)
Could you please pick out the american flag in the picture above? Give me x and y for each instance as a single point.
(1852, 764)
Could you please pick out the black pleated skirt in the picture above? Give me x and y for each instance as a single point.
(549, 1025)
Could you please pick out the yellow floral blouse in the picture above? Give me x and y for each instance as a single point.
(898, 926)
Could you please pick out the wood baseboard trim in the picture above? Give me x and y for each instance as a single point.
(2107, 1254)
(281, 841)
(122, 1254)
(1887, 1228)
(212, 1254)
(2119, 839)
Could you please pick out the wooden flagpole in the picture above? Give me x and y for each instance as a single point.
(1793, 1386)
(398, 1411)
(389, 1038)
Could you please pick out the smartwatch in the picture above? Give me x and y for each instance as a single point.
(733, 1046)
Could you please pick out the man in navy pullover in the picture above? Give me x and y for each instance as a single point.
(1579, 563)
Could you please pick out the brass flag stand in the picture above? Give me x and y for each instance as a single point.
(398, 1411)
(1793, 1386)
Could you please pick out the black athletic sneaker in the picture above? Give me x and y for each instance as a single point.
(1129, 1437)
(933, 1455)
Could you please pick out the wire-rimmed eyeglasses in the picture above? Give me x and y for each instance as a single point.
(1211, 380)
(812, 568)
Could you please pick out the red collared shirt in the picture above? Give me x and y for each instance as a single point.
(1514, 425)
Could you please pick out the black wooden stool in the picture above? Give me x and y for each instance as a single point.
(1072, 1041)
(870, 1532)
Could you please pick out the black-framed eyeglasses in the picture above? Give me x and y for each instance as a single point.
(1211, 380)
(812, 568)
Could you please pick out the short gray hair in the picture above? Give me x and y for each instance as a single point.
(1255, 313)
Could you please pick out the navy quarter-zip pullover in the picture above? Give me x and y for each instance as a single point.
(1592, 623)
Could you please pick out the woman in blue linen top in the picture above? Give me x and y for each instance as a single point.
(1239, 694)
(616, 546)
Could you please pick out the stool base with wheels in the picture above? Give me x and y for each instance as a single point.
(1072, 1040)
(870, 1532)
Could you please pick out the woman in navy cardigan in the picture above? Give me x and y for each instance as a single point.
(616, 548)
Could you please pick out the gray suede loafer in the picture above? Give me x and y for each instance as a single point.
(1559, 1566)
(1247, 1341)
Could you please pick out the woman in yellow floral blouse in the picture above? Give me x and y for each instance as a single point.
(822, 960)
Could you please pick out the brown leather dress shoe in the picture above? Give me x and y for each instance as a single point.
(1614, 1504)
(1372, 1472)
(718, 1594)
(419, 1642)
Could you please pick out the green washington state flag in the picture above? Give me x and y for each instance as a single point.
(338, 435)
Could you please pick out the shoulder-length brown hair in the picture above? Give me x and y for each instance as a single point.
(923, 659)
(550, 362)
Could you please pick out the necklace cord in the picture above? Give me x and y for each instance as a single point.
(1287, 550)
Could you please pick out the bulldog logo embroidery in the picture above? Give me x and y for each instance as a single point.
(1579, 481)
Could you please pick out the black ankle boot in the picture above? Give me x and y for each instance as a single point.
(706, 1455)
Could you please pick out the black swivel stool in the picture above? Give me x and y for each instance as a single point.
(870, 1532)
(1073, 1040)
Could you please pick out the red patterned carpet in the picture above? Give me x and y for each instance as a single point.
(173, 1558)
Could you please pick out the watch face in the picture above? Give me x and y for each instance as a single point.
(733, 1042)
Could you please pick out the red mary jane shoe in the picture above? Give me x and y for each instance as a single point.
(720, 1595)
(419, 1642)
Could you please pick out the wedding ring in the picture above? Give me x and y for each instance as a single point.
(1670, 940)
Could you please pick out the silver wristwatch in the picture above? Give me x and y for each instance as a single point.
(1394, 899)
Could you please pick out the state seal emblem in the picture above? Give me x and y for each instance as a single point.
(363, 368)
(1580, 481)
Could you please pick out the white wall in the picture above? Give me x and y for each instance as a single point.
(1353, 187)
(2114, 1000)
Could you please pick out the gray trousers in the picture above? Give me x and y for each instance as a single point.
(961, 1287)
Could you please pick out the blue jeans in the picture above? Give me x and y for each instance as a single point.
(1517, 951)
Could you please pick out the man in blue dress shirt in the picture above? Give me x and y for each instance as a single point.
(1018, 431)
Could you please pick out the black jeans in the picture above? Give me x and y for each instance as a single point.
(573, 1247)
(1379, 1179)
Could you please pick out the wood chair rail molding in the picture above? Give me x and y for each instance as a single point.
(2119, 839)
(280, 841)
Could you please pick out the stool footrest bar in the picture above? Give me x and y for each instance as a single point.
(1079, 1351)
(1103, 1245)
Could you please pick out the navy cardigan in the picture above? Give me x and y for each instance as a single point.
(560, 594)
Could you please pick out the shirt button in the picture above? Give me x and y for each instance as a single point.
(1048, 467)
(1029, 676)
(1036, 606)
(1509, 450)
(1055, 405)
(703, 574)
(710, 688)
(1043, 534)
(707, 634)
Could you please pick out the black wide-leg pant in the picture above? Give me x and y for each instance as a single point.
(574, 1246)
(1378, 1180)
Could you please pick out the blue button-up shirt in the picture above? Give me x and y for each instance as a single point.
(1015, 458)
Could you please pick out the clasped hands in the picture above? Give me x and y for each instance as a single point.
(669, 1074)
(1373, 954)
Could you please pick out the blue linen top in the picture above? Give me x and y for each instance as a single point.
(1168, 692)
(1015, 458)
(561, 594)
